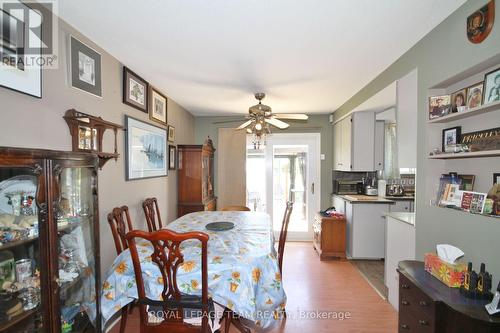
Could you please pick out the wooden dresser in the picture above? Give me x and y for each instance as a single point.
(329, 236)
(196, 178)
(427, 305)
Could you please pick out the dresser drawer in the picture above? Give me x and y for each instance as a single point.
(410, 324)
(411, 296)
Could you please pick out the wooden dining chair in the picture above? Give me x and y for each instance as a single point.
(167, 255)
(283, 233)
(120, 223)
(152, 213)
(235, 209)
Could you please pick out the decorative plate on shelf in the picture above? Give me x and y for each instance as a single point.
(16, 185)
(220, 226)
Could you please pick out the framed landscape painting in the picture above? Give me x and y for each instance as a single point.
(146, 150)
(135, 90)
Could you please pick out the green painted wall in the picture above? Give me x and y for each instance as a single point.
(444, 52)
(204, 126)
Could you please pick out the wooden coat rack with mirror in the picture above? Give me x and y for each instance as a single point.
(87, 134)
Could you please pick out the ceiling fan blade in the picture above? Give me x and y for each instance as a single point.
(229, 121)
(294, 116)
(275, 122)
(245, 124)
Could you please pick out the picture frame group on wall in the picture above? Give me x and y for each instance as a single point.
(146, 150)
(85, 68)
(135, 90)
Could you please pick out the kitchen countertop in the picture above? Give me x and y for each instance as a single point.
(357, 198)
(404, 217)
(404, 197)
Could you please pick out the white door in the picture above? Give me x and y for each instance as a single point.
(293, 173)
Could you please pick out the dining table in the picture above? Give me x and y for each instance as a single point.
(243, 271)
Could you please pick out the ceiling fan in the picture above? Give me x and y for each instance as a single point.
(260, 116)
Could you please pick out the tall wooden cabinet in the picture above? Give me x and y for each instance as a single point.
(49, 241)
(196, 178)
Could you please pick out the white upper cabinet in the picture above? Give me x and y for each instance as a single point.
(406, 113)
(354, 142)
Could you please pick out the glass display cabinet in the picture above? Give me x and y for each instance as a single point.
(49, 242)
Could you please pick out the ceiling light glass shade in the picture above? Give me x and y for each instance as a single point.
(258, 126)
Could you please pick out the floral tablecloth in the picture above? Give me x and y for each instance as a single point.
(243, 270)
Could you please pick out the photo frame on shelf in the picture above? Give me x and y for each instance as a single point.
(458, 100)
(171, 133)
(172, 157)
(475, 95)
(491, 92)
(450, 138)
(85, 68)
(158, 107)
(496, 178)
(439, 106)
(473, 202)
(146, 150)
(135, 90)
(19, 71)
(467, 182)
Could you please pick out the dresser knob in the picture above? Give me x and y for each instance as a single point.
(405, 327)
(423, 303)
(405, 286)
(423, 322)
(405, 302)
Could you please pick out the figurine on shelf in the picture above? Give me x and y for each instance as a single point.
(494, 194)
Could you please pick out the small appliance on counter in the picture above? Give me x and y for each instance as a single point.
(347, 187)
(395, 190)
(369, 186)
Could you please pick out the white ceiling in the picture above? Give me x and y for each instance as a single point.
(211, 56)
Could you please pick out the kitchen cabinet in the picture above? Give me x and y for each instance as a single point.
(354, 142)
(365, 230)
(400, 245)
(379, 145)
(339, 204)
(403, 206)
(50, 239)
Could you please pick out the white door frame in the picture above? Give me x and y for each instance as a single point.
(313, 140)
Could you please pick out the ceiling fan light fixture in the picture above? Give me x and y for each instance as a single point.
(258, 126)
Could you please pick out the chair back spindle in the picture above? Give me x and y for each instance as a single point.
(120, 223)
(283, 233)
(152, 213)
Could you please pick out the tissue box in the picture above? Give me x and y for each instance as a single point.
(451, 275)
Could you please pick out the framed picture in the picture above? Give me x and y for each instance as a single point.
(171, 133)
(480, 23)
(475, 95)
(451, 137)
(85, 65)
(146, 150)
(473, 201)
(439, 106)
(492, 86)
(19, 69)
(172, 157)
(158, 107)
(467, 182)
(458, 99)
(496, 178)
(135, 90)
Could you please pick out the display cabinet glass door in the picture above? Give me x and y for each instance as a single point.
(76, 249)
(21, 262)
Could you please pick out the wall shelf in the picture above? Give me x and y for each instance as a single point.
(473, 154)
(495, 106)
(466, 212)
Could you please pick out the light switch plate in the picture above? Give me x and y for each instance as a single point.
(322, 157)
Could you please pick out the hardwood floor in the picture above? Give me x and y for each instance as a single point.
(330, 286)
(373, 271)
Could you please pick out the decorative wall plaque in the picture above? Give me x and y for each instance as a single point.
(480, 23)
